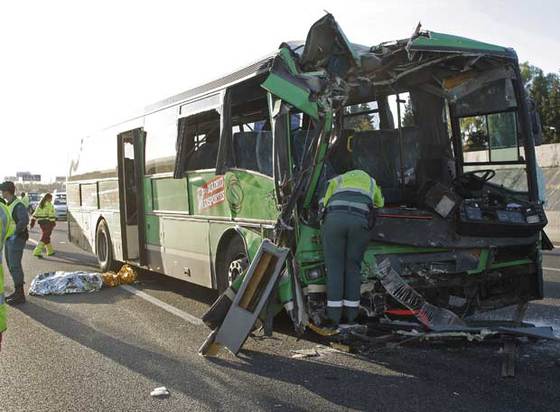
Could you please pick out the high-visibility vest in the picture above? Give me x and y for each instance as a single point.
(11, 207)
(5, 219)
(354, 181)
(46, 212)
(25, 201)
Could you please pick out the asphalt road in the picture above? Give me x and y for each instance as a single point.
(107, 351)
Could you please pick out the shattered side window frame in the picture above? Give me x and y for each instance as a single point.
(189, 110)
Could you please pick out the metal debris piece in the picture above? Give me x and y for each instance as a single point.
(322, 331)
(509, 352)
(63, 283)
(249, 301)
(429, 315)
(341, 347)
(160, 392)
(317, 351)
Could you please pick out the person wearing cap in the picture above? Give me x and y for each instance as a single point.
(15, 244)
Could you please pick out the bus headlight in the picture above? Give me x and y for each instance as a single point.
(315, 273)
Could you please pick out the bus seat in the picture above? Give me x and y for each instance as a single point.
(264, 152)
(253, 151)
(340, 158)
(205, 157)
(377, 152)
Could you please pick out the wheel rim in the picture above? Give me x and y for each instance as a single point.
(237, 267)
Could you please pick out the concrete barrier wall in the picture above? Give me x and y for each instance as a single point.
(548, 157)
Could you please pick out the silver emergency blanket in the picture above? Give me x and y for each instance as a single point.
(62, 283)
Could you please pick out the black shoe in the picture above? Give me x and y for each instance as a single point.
(16, 298)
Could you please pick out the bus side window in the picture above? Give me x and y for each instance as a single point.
(198, 141)
(252, 137)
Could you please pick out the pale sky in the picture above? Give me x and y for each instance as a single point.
(68, 68)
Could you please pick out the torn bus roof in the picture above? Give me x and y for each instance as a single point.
(433, 41)
(328, 72)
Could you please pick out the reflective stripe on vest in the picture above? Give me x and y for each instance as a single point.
(356, 205)
(46, 212)
(340, 189)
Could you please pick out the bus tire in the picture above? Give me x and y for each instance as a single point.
(104, 247)
(233, 262)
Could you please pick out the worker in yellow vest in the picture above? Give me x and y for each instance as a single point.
(5, 227)
(24, 199)
(15, 244)
(348, 215)
(45, 215)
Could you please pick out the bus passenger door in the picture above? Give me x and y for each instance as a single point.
(131, 194)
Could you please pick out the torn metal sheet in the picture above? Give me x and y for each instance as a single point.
(428, 314)
(251, 298)
(326, 47)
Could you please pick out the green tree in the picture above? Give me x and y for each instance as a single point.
(408, 115)
(551, 120)
(473, 133)
(544, 90)
(361, 121)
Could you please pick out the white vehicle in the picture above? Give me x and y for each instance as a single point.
(60, 206)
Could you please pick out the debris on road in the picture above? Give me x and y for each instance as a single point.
(125, 276)
(63, 283)
(315, 352)
(160, 392)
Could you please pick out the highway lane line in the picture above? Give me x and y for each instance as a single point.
(165, 306)
(155, 301)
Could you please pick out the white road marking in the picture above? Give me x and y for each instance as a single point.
(165, 306)
(552, 269)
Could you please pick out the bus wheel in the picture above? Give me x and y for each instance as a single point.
(104, 248)
(234, 262)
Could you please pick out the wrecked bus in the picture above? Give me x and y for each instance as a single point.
(192, 186)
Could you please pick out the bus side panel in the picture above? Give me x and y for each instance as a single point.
(113, 220)
(186, 250)
(221, 234)
(76, 233)
(238, 194)
(176, 243)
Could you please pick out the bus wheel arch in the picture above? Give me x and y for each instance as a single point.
(104, 246)
(232, 258)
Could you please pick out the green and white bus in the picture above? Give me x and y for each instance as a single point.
(191, 186)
